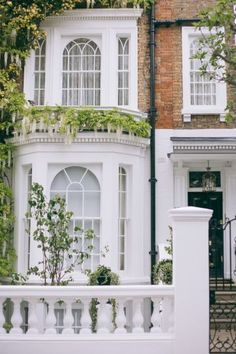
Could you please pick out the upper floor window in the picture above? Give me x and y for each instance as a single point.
(87, 60)
(202, 87)
(123, 71)
(201, 94)
(81, 76)
(39, 73)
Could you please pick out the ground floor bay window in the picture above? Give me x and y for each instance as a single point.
(104, 184)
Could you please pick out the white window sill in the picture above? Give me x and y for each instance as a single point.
(189, 112)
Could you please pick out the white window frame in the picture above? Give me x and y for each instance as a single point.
(82, 219)
(188, 34)
(103, 26)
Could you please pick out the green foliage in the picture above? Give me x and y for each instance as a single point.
(69, 121)
(162, 271)
(102, 276)
(61, 252)
(217, 51)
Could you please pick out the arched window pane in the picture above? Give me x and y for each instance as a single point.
(81, 83)
(39, 73)
(81, 190)
(123, 71)
(122, 218)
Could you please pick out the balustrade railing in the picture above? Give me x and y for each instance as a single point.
(47, 310)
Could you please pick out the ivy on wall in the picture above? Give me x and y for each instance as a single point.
(19, 33)
(69, 121)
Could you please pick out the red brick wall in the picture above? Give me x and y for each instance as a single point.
(169, 66)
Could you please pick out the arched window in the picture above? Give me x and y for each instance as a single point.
(81, 190)
(202, 87)
(81, 81)
(123, 71)
(39, 73)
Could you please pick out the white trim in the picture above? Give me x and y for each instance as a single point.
(96, 14)
(219, 109)
(100, 25)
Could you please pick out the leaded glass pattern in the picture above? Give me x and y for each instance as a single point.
(81, 190)
(39, 73)
(81, 75)
(122, 220)
(123, 71)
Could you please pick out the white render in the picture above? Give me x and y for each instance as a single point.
(103, 26)
(102, 155)
(172, 172)
(175, 329)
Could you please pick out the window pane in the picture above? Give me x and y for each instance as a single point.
(91, 204)
(84, 58)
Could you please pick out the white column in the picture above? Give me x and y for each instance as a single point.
(180, 187)
(191, 279)
(109, 212)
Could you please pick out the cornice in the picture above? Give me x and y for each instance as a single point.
(95, 14)
(203, 145)
(85, 138)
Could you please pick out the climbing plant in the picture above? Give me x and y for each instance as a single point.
(20, 32)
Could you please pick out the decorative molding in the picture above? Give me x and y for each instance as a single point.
(187, 117)
(96, 14)
(101, 138)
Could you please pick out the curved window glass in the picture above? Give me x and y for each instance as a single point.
(39, 73)
(81, 76)
(123, 71)
(81, 190)
(122, 222)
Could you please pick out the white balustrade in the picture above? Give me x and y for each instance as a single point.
(85, 318)
(50, 319)
(16, 319)
(111, 315)
(138, 316)
(68, 318)
(103, 316)
(33, 324)
(156, 315)
(120, 317)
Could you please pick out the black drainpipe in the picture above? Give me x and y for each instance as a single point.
(152, 120)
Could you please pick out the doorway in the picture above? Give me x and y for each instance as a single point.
(212, 200)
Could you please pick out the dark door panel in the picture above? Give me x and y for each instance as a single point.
(212, 200)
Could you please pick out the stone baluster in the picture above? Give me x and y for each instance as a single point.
(167, 314)
(120, 318)
(33, 322)
(68, 318)
(137, 316)
(171, 315)
(16, 319)
(2, 318)
(103, 318)
(156, 315)
(85, 318)
(50, 319)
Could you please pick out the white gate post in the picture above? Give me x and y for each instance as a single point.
(191, 279)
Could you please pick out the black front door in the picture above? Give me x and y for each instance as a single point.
(212, 200)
